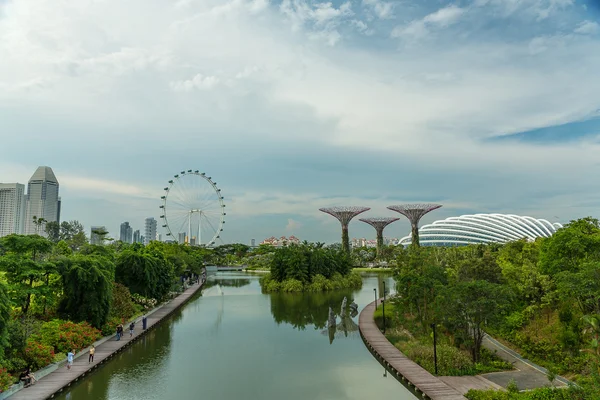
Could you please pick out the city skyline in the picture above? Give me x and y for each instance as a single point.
(482, 106)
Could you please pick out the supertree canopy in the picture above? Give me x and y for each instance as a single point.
(414, 213)
(344, 215)
(379, 224)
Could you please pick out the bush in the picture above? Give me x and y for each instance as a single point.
(63, 336)
(319, 283)
(545, 393)
(38, 355)
(390, 315)
(292, 285)
(146, 303)
(122, 306)
(451, 361)
(110, 327)
(6, 379)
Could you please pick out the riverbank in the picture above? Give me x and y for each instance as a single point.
(60, 377)
(401, 367)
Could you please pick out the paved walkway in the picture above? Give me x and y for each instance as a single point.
(405, 370)
(527, 375)
(61, 378)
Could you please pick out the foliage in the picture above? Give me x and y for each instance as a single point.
(87, 282)
(546, 393)
(144, 272)
(4, 318)
(318, 284)
(64, 336)
(122, 305)
(390, 315)
(6, 379)
(38, 355)
(146, 303)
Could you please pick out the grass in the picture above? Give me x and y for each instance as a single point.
(408, 336)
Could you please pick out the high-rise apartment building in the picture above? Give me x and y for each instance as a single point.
(137, 237)
(95, 238)
(42, 200)
(181, 238)
(149, 230)
(12, 208)
(126, 233)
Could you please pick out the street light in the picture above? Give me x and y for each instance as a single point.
(434, 348)
(383, 305)
(375, 292)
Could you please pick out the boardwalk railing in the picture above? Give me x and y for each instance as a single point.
(409, 373)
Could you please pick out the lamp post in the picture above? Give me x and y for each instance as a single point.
(383, 306)
(434, 349)
(375, 292)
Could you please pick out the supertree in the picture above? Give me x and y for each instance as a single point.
(414, 213)
(344, 215)
(379, 224)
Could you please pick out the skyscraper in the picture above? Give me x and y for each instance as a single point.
(149, 230)
(181, 237)
(42, 200)
(137, 238)
(126, 235)
(12, 208)
(95, 238)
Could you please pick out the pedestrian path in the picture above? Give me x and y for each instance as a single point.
(527, 375)
(62, 377)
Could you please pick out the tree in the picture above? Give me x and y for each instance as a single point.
(53, 231)
(467, 307)
(144, 273)
(26, 266)
(73, 234)
(577, 242)
(87, 282)
(4, 318)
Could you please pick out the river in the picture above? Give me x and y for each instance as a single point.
(235, 343)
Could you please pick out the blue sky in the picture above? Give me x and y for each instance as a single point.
(483, 106)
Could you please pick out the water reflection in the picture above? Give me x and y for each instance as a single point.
(303, 309)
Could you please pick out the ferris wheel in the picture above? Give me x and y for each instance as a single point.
(193, 211)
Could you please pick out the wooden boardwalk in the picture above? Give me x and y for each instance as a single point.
(58, 380)
(405, 370)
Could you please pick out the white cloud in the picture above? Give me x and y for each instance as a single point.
(441, 18)
(199, 82)
(382, 9)
(587, 28)
(322, 19)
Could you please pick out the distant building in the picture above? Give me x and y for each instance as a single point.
(126, 233)
(42, 200)
(149, 230)
(142, 239)
(282, 241)
(12, 208)
(483, 228)
(252, 243)
(137, 238)
(181, 238)
(159, 237)
(96, 238)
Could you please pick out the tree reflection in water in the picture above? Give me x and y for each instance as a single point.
(303, 309)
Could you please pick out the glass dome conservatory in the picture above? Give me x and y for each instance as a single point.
(483, 228)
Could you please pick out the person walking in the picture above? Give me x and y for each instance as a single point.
(119, 331)
(91, 357)
(131, 328)
(70, 356)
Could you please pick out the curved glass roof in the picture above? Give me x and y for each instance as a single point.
(483, 228)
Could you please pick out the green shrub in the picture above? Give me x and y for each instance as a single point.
(38, 355)
(6, 379)
(451, 361)
(292, 285)
(545, 393)
(390, 314)
(63, 336)
(122, 306)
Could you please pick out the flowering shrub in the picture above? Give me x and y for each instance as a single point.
(143, 301)
(122, 305)
(5, 379)
(38, 355)
(64, 336)
(110, 327)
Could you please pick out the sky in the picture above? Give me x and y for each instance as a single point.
(479, 105)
